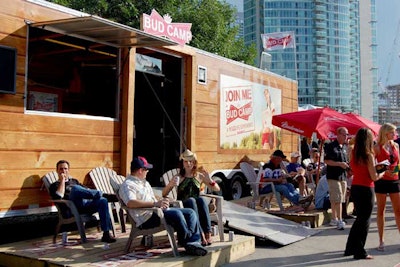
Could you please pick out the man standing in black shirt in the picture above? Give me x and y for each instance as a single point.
(336, 159)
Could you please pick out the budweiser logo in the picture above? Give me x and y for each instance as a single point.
(278, 40)
(162, 26)
(286, 125)
(284, 41)
(234, 113)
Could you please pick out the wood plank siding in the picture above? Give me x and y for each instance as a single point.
(32, 142)
(206, 108)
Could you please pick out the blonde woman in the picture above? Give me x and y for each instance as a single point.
(191, 177)
(387, 149)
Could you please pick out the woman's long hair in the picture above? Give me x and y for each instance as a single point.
(182, 168)
(385, 128)
(363, 145)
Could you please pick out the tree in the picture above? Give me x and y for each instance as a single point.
(212, 21)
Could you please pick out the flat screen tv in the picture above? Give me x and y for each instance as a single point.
(8, 69)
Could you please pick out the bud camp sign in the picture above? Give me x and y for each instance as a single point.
(238, 102)
(162, 26)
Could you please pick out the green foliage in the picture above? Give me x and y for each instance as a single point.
(211, 20)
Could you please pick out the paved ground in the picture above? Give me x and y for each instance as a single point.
(326, 249)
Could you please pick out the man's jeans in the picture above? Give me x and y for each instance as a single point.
(287, 190)
(186, 224)
(184, 221)
(90, 201)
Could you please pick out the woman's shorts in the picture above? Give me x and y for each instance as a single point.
(387, 186)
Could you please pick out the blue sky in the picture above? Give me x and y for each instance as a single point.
(388, 37)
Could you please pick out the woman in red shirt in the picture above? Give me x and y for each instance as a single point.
(387, 149)
(362, 163)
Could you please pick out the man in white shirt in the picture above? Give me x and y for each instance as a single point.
(136, 192)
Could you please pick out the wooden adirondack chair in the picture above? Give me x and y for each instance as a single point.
(215, 216)
(101, 179)
(253, 179)
(116, 182)
(67, 205)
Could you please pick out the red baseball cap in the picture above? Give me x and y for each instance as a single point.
(140, 162)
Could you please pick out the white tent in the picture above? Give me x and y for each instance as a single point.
(307, 107)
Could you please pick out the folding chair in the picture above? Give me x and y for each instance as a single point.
(101, 179)
(65, 207)
(253, 179)
(214, 216)
(116, 182)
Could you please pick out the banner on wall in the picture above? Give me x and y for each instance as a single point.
(246, 112)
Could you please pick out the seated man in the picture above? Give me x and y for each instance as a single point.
(273, 173)
(86, 200)
(312, 165)
(297, 173)
(136, 192)
(322, 201)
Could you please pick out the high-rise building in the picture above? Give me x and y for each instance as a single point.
(334, 60)
(389, 106)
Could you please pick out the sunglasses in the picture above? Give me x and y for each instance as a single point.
(145, 169)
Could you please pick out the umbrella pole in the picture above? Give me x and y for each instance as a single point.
(319, 161)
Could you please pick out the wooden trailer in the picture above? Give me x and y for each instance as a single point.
(98, 93)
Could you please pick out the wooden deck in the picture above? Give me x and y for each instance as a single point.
(42, 252)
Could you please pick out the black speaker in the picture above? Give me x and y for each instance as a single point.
(8, 69)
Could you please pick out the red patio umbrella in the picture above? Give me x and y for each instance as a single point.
(367, 123)
(322, 121)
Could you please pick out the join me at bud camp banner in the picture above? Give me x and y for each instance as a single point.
(246, 112)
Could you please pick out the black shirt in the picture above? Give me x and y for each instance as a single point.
(336, 152)
(68, 185)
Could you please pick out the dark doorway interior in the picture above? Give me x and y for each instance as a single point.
(157, 115)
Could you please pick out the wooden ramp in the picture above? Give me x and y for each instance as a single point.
(264, 225)
(42, 252)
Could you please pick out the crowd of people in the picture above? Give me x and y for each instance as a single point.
(363, 170)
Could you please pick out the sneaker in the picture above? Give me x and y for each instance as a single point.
(340, 225)
(333, 223)
(195, 248)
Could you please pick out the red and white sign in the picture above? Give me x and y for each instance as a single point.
(278, 40)
(162, 26)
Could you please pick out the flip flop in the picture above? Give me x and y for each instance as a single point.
(381, 247)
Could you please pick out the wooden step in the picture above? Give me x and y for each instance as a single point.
(42, 252)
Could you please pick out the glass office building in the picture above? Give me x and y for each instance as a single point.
(327, 59)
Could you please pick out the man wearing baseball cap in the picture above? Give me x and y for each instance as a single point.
(136, 192)
(273, 172)
(297, 173)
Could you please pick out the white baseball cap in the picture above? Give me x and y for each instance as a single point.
(295, 154)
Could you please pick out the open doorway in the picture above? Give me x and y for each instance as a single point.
(157, 114)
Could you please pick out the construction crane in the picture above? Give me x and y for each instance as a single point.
(383, 94)
(391, 55)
